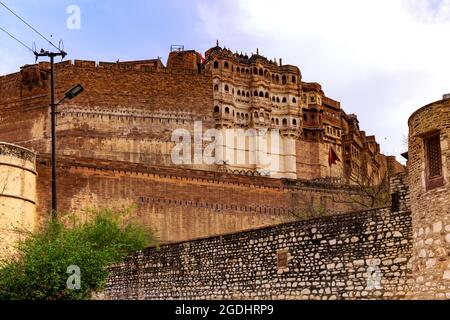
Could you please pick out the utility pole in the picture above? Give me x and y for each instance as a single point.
(53, 113)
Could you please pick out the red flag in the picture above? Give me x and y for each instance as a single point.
(332, 157)
(202, 59)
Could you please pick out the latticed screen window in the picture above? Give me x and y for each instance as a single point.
(434, 157)
(433, 161)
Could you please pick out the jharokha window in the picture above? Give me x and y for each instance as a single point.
(433, 162)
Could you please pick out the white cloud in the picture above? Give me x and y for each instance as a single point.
(382, 59)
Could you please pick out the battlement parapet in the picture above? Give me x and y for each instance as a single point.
(12, 150)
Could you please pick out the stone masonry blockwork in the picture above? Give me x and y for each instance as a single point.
(328, 258)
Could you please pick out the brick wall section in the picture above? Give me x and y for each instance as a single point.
(328, 258)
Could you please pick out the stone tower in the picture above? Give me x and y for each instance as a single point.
(429, 169)
(17, 194)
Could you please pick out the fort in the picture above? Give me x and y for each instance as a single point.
(115, 141)
(399, 251)
(237, 214)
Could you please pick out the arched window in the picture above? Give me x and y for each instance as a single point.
(227, 89)
(216, 64)
(278, 99)
(216, 87)
(227, 110)
(273, 78)
(246, 71)
(284, 80)
(294, 122)
(294, 79)
(261, 94)
(277, 121)
(266, 73)
(284, 122)
(267, 95)
(294, 100)
(273, 120)
(242, 116)
(216, 109)
(225, 65)
(255, 71)
(238, 115)
(255, 94)
(273, 99)
(238, 69)
(261, 72)
(239, 92)
(255, 115)
(248, 94)
(278, 79)
(284, 100)
(246, 116)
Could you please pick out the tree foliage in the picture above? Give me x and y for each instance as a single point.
(39, 270)
(372, 192)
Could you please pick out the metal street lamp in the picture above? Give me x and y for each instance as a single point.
(72, 93)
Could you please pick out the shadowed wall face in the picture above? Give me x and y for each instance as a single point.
(183, 204)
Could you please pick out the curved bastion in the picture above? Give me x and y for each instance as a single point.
(17, 194)
(429, 165)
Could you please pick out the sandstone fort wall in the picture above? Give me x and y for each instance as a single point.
(182, 204)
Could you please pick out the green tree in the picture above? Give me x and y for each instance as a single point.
(40, 268)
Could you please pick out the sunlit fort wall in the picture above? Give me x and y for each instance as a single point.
(17, 195)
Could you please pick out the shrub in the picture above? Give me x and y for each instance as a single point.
(39, 270)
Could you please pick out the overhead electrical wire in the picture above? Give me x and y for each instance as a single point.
(30, 26)
(23, 44)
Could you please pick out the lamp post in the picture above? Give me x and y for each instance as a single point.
(72, 93)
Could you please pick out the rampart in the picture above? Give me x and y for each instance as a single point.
(182, 204)
(362, 255)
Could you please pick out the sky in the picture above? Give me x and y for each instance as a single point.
(382, 59)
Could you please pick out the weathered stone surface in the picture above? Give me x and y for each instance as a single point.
(430, 199)
(314, 269)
